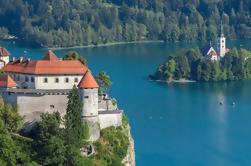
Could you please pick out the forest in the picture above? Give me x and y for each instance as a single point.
(191, 65)
(63, 23)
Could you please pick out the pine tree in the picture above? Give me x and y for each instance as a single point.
(74, 127)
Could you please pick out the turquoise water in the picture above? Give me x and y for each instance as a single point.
(177, 124)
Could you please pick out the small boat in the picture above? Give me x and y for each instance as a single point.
(221, 103)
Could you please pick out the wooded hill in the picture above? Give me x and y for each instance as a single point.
(85, 22)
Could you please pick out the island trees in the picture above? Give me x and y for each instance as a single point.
(193, 66)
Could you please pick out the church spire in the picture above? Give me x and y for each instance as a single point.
(221, 29)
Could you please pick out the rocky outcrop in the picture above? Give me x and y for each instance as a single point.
(129, 160)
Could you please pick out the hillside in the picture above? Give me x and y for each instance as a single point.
(84, 22)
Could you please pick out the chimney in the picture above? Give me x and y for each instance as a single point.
(21, 59)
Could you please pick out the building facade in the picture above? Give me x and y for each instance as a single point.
(40, 86)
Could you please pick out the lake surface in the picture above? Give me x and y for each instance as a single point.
(176, 124)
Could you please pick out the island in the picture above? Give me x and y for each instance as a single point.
(53, 111)
(206, 64)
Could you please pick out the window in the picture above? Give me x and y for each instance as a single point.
(56, 80)
(66, 80)
(76, 80)
(223, 41)
(18, 78)
(26, 79)
(86, 97)
(32, 79)
(52, 106)
(45, 80)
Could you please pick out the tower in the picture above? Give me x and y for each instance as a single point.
(221, 43)
(4, 57)
(88, 88)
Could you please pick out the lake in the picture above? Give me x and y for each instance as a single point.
(176, 124)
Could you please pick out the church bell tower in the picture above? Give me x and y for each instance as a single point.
(221, 43)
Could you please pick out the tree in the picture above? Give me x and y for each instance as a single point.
(49, 141)
(75, 129)
(170, 68)
(104, 82)
(7, 147)
(73, 55)
(10, 117)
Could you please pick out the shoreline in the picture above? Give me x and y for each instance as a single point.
(106, 45)
(174, 81)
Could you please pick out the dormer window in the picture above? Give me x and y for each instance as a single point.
(56, 80)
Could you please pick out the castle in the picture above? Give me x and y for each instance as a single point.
(39, 86)
(210, 53)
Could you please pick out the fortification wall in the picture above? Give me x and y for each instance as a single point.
(108, 120)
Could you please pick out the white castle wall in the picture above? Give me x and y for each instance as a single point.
(62, 84)
(39, 83)
(31, 106)
(108, 120)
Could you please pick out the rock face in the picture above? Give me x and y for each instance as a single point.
(129, 160)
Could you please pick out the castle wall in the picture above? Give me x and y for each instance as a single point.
(108, 120)
(31, 106)
(38, 81)
(62, 84)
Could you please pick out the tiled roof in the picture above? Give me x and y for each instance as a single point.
(50, 56)
(4, 52)
(88, 81)
(49, 65)
(7, 82)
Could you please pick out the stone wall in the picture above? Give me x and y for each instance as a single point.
(110, 119)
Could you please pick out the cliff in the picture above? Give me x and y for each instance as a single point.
(129, 160)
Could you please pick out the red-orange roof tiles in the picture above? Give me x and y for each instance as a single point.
(50, 56)
(4, 52)
(50, 65)
(88, 81)
(7, 82)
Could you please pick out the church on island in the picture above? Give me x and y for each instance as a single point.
(39, 86)
(210, 53)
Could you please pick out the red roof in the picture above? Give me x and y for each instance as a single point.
(50, 56)
(49, 65)
(88, 81)
(4, 52)
(7, 82)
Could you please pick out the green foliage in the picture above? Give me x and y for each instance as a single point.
(10, 117)
(73, 55)
(74, 127)
(236, 65)
(85, 22)
(48, 142)
(7, 148)
(112, 146)
(104, 82)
